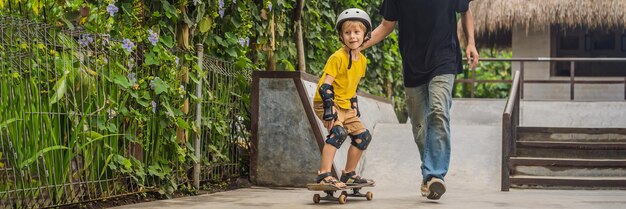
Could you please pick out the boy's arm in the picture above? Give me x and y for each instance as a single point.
(382, 31)
(467, 20)
(354, 103)
(327, 93)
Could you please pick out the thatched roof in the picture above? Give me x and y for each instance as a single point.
(496, 17)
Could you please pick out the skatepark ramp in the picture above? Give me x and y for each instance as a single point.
(287, 136)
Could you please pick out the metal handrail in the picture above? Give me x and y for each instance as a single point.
(572, 81)
(510, 121)
(557, 59)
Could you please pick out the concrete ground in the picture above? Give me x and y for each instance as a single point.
(473, 180)
(287, 198)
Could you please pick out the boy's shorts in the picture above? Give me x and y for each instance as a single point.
(346, 118)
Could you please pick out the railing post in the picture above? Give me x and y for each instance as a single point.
(506, 146)
(516, 115)
(473, 83)
(571, 80)
(521, 76)
(198, 122)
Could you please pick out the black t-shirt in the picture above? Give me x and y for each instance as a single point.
(428, 37)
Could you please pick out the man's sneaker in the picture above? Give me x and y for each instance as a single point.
(436, 188)
(424, 189)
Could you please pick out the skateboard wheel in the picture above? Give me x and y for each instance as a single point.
(369, 196)
(342, 199)
(316, 198)
(344, 193)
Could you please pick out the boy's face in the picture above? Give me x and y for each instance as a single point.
(352, 34)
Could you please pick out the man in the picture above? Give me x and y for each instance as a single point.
(431, 57)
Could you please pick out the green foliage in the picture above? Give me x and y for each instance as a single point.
(108, 111)
(486, 70)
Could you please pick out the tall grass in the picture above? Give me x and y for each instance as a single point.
(81, 122)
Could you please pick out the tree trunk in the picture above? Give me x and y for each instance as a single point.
(183, 42)
(182, 32)
(271, 60)
(299, 38)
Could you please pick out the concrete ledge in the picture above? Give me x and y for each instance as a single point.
(287, 137)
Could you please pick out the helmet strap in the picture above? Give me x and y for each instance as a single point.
(349, 58)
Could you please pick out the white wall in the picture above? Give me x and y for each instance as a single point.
(534, 43)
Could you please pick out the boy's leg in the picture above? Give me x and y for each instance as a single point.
(361, 138)
(335, 138)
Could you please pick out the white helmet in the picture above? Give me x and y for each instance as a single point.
(355, 14)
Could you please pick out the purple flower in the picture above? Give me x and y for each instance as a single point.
(242, 41)
(221, 6)
(154, 105)
(85, 40)
(131, 78)
(247, 41)
(195, 2)
(112, 9)
(176, 60)
(269, 6)
(154, 37)
(152, 84)
(280, 2)
(234, 1)
(128, 45)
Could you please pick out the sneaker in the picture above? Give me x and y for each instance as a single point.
(436, 188)
(424, 190)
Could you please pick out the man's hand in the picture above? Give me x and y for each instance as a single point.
(472, 56)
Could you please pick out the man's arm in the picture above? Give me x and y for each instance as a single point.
(382, 31)
(467, 20)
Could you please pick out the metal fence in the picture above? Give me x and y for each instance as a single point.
(571, 80)
(81, 120)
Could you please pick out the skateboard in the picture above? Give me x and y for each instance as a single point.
(330, 190)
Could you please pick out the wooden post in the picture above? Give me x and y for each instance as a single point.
(299, 38)
(198, 136)
(271, 61)
(571, 80)
(521, 76)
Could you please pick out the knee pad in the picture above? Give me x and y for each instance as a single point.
(339, 134)
(365, 137)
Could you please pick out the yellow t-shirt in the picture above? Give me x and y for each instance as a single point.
(346, 81)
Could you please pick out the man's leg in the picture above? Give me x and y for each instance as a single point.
(428, 106)
(417, 106)
(437, 144)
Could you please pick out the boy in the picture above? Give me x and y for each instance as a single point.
(335, 102)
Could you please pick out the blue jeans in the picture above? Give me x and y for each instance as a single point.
(429, 111)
